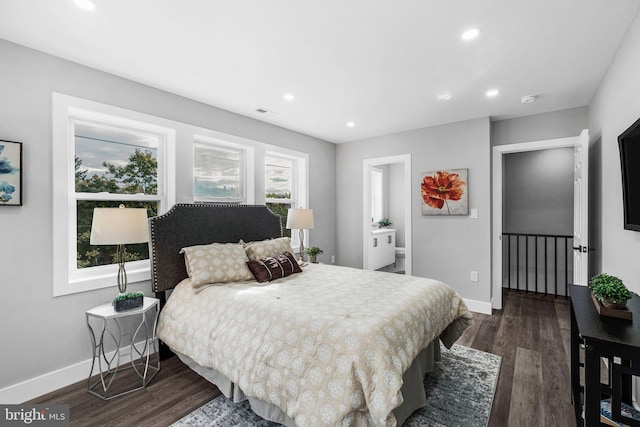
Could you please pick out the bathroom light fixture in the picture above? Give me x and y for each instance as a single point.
(289, 97)
(528, 99)
(444, 96)
(350, 124)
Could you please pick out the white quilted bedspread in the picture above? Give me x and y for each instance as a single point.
(328, 346)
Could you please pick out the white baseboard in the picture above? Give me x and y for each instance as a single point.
(478, 306)
(43, 384)
(51, 381)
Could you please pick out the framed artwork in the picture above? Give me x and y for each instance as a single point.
(445, 192)
(10, 173)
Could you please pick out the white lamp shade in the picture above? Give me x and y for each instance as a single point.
(119, 226)
(300, 219)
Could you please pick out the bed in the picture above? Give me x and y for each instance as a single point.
(327, 346)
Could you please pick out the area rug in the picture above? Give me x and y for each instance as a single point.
(459, 393)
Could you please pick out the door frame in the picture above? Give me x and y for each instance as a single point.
(367, 164)
(497, 190)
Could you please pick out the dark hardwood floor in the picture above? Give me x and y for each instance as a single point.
(531, 334)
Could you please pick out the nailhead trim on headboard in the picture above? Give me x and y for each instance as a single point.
(202, 223)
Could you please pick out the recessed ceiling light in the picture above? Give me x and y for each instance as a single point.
(470, 34)
(86, 4)
(289, 96)
(350, 124)
(492, 93)
(444, 96)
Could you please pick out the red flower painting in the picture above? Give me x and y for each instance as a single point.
(441, 187)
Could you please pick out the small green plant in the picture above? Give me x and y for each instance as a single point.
(385, 222)
(611, 288)
(130, 295)
(313, 251)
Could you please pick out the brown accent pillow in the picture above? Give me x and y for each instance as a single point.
(275, 267)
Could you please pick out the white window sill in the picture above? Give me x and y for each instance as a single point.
(106, 277)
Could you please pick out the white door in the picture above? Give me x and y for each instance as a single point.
(581, 210)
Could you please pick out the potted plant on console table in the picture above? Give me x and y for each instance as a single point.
(611, 292)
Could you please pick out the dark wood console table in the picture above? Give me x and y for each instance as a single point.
(602, 337)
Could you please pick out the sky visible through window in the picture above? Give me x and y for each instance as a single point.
(216, 173)
(95, 145)
(134, 170)
(278, 177)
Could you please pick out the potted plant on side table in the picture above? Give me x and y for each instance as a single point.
(128, 301)
(610, 291)
(313, 253)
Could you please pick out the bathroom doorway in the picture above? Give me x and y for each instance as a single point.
(391, 177)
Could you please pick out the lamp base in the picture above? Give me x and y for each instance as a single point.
(122, 273)
(302, 244)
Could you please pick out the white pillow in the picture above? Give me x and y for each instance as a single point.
(216, 263)
(268, 248)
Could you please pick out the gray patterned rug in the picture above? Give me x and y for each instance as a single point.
(459, 393)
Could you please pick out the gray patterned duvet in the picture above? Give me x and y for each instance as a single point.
(328, 346)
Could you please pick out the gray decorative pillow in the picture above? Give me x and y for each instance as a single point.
(268, 248)
(216, 263)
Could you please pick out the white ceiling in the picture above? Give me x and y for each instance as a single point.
(378, 63)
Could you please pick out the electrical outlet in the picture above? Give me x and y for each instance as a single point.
(474, 276)
(333, 259)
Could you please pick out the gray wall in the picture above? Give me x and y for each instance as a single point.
(614, 107)
(538, 127)
(444, 248)
(40, 333)
(538, 192)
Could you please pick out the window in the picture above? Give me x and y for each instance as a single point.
(218, 173)
(377, 195)
(286, 186)
(280, 192)
(108, 163)
(109, 156)
(230, 169)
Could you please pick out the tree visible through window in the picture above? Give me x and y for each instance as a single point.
(112, 167)
(279, 187)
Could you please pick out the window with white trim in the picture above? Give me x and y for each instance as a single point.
(280, 186)
(104, 160)
(377, 194)
(218, 171)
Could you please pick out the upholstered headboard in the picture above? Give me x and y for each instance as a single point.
(200, 224)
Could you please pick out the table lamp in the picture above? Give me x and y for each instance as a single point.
(300, 219)
(119, 226)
